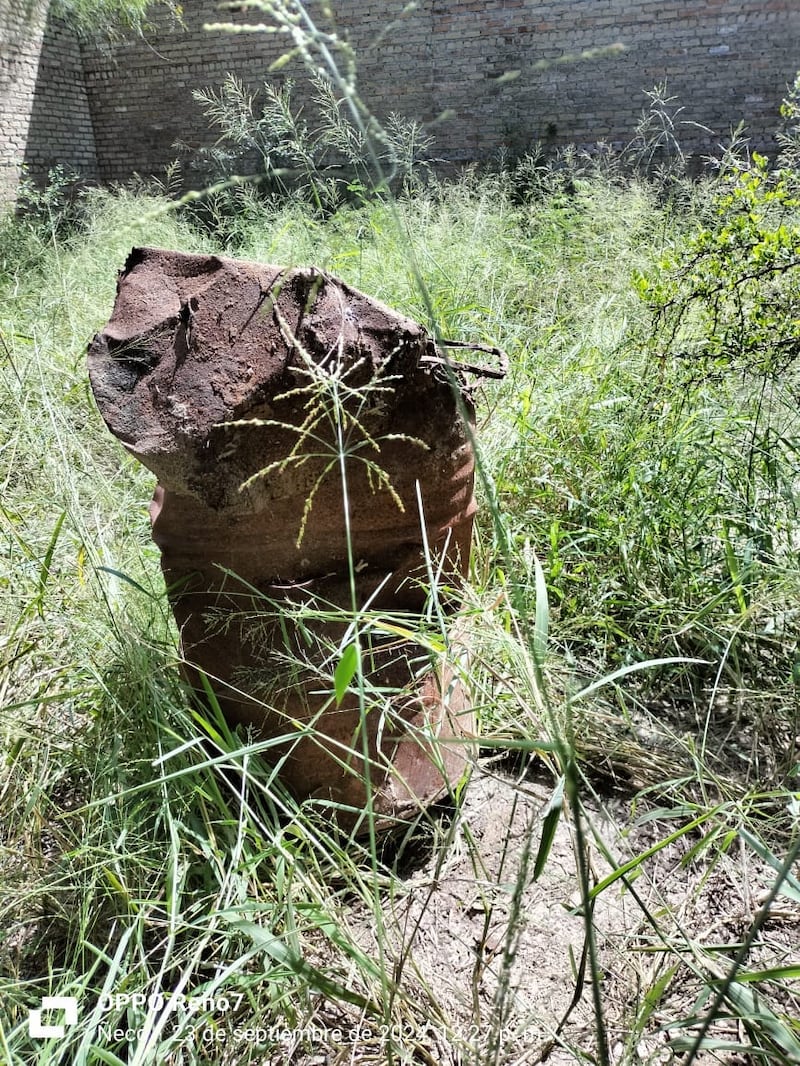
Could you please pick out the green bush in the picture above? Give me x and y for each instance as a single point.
(727, 299)
(317, 155)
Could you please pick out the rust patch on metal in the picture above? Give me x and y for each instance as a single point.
(240, 386)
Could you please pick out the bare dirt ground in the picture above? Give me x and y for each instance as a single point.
(490, 959)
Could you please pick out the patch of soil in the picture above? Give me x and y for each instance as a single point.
(489, 958)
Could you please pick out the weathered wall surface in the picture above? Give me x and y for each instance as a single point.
(60, 129)
(22, 24)
(581, 69)
(725, 60)
(140, 94)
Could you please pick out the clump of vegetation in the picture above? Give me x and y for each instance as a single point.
(727, 299)
(632, 610)
(322, 158)
(110, 19)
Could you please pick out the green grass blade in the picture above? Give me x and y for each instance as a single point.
(774, 973)
(44, 572)
(755, 1013)
(345, 671)
(552, 814)
(635, 863)
(316, 979)
(791, 886)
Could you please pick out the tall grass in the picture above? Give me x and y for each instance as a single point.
(626, 640)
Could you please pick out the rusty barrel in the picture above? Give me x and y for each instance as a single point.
(314, 467)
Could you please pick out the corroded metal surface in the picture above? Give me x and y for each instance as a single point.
(294, 424)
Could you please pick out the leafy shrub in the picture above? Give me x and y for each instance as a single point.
(728, 298)
(725, 333)
(41, 218)
(327, 163)
(654, 155)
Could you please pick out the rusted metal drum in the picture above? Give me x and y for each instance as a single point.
(314, 467)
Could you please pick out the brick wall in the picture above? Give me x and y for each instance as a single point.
(60, 129)
(22, 24)
(579, 66)
(140, 94)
